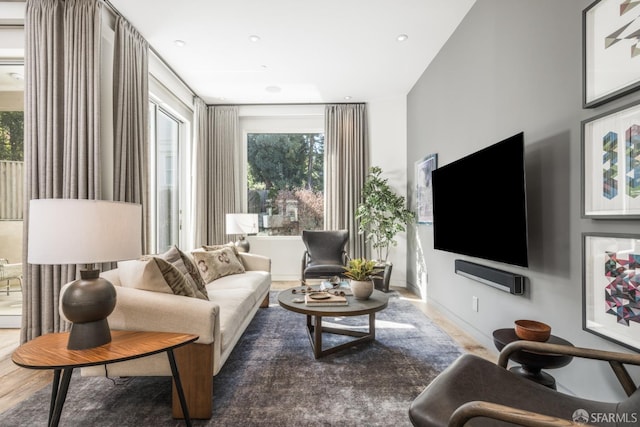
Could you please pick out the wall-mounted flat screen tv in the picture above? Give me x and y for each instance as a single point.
(479, 204)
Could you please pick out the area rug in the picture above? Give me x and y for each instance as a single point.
(272, 379)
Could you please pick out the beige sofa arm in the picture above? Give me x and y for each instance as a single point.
(140, 310)
(254, 262)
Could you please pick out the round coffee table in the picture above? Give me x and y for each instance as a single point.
(533, 363)
(376, 302)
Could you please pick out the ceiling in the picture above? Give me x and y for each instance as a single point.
(307, 52)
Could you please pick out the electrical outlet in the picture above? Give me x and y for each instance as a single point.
(474, 304)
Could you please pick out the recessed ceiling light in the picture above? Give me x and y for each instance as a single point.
(273, 89)
(179, 43)
(402, 37)
(254, 38)
(347, 97)
(17, 76)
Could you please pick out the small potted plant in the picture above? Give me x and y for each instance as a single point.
(361, 272)
(381, 215)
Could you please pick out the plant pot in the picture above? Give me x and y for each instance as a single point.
(362, 289)
(382, 284)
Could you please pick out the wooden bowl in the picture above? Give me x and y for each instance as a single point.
(532, 330)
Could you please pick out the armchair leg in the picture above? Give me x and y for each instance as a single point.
(195, 364)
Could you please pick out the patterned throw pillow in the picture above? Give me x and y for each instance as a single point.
(153, 273)
(219, 263)
(218, 247)
(188, 269)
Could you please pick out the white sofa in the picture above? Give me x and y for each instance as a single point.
(219, 323)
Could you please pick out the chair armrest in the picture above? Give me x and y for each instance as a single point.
(255, 262)
(615, 359)
(586, 353)
(140, 310)
(509, 414)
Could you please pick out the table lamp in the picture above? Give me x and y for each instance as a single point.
(70, 231)
(239, 223)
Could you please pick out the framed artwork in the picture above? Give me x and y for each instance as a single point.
(611, 50)
(611, 164)
(424, 199)
(611, 287)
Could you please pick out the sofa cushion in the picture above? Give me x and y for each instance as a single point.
(218, 263)
(157, 275)
(182, 262)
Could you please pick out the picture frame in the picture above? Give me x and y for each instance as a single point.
(424, 196)
(610, 169)
(610, 296)
(611, 52)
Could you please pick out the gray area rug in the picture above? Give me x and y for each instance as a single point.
(272, 379)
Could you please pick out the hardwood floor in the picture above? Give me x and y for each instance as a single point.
(20, 383)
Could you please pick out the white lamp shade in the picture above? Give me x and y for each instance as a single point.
(70, 231)
(242, 223)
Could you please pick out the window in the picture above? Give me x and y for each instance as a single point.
(285, 181)
(165, 141)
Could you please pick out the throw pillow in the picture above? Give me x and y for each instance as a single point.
(218, 247)
(174, 256)
(176, 280)
(155, 274)
(143, 274)
(218, 263)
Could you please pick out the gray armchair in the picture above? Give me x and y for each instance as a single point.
(325, 254)
(475, 392)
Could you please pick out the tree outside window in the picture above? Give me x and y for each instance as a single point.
(12, 135)
(286, 181)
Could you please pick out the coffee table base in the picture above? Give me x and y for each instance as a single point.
(315, 330)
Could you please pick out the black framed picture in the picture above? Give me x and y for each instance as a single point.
(611, 50)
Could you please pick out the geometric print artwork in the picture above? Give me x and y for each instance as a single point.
(632, 156)
(629, 31)
(622, 294)
(610, 165)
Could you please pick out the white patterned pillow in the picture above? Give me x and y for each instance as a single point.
(218, 263)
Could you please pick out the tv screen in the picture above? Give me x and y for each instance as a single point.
(479, 204)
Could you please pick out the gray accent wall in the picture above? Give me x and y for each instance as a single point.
(511, 66)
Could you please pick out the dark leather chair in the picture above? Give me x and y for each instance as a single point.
(475, 392)
(325, 255)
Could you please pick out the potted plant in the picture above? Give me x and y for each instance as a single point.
(381, 215)
(361, 272)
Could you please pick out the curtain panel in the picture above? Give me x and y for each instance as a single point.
(131, 122)
(61, 135)
(216, 170)
(347, 165)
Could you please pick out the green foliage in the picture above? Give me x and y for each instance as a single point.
(12, 135)
(382, 213)
(361, 269)
(285, 161)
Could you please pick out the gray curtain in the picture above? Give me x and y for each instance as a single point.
(131, 121)
(61, 135)
(216, 171)
(346, 164)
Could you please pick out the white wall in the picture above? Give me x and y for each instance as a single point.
(388, 149)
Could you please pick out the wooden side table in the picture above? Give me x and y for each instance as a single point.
(50, 352)
(533, 363)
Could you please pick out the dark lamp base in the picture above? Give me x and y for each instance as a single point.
(242, 244)
(89, 335)
(87, 303)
